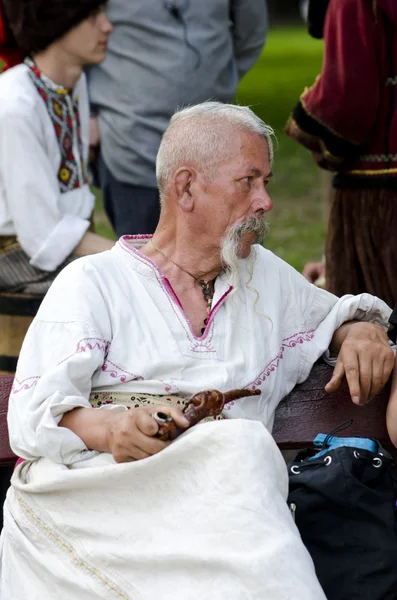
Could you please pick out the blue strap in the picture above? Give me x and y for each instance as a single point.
(337, 442)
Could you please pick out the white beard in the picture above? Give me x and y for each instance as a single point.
(231, 245)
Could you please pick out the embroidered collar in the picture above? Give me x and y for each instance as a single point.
(63, 110)
(59, 89)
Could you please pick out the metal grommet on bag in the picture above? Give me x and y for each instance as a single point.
(328, 460)
(356, 454)
(377, 462)
(295, 470)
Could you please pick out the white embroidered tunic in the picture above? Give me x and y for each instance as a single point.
(113, 322)
(45, 199)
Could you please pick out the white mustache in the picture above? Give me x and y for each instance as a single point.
(257, 225)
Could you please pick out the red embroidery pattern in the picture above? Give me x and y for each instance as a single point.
(117, 372)
(23, 384)
(89, 344)
(289, 342)
(65, 116)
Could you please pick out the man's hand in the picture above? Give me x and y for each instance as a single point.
(365, 358)
(130, 434)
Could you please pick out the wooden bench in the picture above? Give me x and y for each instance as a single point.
(304, 413)
(16, 314)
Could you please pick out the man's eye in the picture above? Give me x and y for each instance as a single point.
(247, 180)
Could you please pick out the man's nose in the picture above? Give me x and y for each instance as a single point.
(262, 203)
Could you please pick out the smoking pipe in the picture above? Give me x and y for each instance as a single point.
(209, 403)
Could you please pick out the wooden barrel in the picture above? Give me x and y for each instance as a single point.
(16, 314)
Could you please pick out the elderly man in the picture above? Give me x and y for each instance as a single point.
(103, 508)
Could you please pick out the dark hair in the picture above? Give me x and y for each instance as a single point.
(36, 24)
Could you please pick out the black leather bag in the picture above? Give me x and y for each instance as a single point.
(342, 495)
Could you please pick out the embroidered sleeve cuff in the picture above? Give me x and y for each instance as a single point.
(60, 243)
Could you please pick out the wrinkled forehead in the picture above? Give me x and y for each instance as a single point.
(248, 149)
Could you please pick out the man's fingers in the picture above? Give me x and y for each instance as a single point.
(379, 377)
(337, 377)
(173, 412)
(150, 445)
(177, 416)
(352, 373)
(133, 454)
(388, 366)
(145, 423)
(365, 377)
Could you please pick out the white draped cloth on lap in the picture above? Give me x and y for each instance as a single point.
(205, 519)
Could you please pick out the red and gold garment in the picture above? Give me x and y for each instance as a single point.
(348, 118)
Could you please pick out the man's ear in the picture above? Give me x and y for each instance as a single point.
(183, 180)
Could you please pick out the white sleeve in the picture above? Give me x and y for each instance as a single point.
(325, 318)
(32, 195)
(64, 347)
(249, 22)
(322, 313)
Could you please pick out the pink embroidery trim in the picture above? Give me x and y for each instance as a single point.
(167, 386)
(82, 346)
(24, 386)
(142, 236)
(289, 342)
(169, 291)
(90, 344)
(205, 340)
(173, 293)
(118, 373)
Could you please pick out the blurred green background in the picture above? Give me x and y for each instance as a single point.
(290, 61)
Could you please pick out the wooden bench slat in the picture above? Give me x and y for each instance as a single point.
(308, 410)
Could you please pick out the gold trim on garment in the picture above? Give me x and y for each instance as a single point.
(327, 153)
(8, 243)
(371, 171)
(325, 125)
(292, 123)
